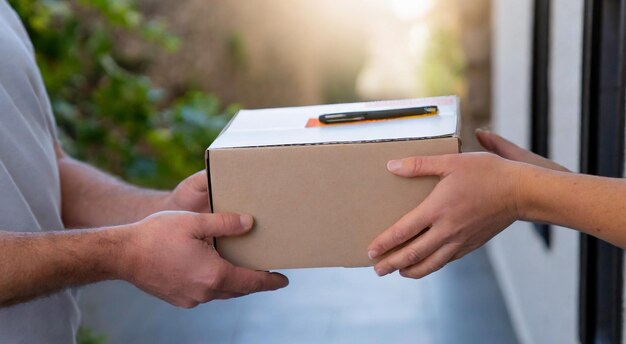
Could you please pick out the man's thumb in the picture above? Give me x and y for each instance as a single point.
(224, 224)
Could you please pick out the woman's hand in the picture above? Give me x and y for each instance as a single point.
(496, 144)
(476, 198)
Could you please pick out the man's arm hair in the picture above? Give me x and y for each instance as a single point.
(38, 264)
(178, 266)
(92, 198)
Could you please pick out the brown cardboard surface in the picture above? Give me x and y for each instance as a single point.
(315, 205)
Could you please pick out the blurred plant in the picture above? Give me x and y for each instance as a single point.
(108, 113)
(443, 66)
(86, 336)
(236, 49)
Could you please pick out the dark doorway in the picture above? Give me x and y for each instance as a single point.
(602, 153)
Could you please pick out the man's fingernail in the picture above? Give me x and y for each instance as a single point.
(372, 254)
(394, 165)
(246, 221)
(483, 130)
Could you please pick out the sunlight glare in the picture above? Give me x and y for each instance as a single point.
(411, 9)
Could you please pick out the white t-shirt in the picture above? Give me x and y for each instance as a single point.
(30, 198)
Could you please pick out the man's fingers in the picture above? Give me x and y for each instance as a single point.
(225, 295)
(434, 262)
(222, 224)
(246, 281)
(420, 166)
(413, 253)
(218, 295)
(198, 181)
(406, 228)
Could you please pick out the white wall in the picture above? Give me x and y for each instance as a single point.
(540, 285)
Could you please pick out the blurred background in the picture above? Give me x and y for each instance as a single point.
(141, 88)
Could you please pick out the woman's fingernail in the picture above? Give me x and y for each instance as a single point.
(394, 165)
(483, 130)
(246, 221)
(372, 254)
(381, 271)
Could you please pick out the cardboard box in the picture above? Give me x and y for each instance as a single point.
(320, 194)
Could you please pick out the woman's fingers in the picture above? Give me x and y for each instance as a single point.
(413, 253)
(406, 228)
(508, 150)
(432, 263)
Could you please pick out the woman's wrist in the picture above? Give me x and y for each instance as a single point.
(536, 195)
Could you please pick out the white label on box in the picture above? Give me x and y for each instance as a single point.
(287, 126)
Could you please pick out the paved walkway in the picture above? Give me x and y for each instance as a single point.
(459, 304)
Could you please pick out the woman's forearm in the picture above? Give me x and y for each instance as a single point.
(590, 204)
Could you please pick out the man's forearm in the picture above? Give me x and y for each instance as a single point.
(37, 264)
(92, 198)
(593, 205)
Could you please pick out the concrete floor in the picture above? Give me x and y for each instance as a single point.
(459, 304)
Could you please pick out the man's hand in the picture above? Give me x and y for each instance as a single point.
(476, 198)
(168, 254)
(190, 195)
(172, 257)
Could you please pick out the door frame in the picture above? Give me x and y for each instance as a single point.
(602, 153)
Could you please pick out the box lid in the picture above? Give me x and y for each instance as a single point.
(288, 126)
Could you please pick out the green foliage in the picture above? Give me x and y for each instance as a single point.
(86, 336)
(236, 48)
(109, 113)
(443, 64)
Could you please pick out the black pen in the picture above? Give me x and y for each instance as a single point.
(347, 117)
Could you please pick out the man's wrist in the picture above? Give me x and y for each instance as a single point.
(143, 203)
(106, 252)
(118, 259)
(150, 202)
(39, 263)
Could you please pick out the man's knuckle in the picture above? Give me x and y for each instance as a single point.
(232, 221)
(215, 282)
(227, 221)
(195, 220)
(209, 295)
(255, 286)
(220, 221)
(188, 304)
